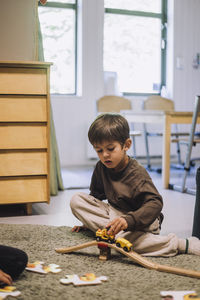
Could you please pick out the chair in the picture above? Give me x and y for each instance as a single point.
(157, 102)
(113, 103)
(190, 142)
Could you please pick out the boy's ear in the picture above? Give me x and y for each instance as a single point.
(127, 144)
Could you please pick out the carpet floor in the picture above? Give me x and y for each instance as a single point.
(126, 280)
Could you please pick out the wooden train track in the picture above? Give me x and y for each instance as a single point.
(135, 257)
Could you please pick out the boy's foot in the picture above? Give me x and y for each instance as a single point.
(79, 228)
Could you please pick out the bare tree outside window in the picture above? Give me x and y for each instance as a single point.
(58, 32)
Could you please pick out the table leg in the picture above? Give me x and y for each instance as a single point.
(166, 152)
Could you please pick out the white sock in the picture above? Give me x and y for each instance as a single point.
(182, 246)
(194, 245)
(190, 245)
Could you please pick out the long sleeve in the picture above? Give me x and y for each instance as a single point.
(131, 191)
(96, 185)
(148, 211)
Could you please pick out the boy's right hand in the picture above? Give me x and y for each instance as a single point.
(78, 228)
(4, 277)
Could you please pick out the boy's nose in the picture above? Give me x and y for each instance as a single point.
(105, 154)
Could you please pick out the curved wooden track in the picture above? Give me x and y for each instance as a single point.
(135, 257)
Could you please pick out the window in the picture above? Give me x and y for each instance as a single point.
(58, 27)
(134, 44)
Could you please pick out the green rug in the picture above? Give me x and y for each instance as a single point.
(126, 280)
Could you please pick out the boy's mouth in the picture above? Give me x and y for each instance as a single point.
(108, 162)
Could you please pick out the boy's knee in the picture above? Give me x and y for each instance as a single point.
(75, 201)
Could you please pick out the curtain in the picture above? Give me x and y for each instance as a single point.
(56, 182)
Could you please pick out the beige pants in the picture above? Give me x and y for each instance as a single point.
(95, 214)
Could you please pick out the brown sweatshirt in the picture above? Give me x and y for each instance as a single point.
(130, 190)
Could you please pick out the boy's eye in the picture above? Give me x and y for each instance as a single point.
(98, 151)
(111, 149)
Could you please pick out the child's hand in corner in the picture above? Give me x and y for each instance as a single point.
(117, 225)
(78, 228)
(5, 278)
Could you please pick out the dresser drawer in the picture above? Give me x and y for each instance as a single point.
(23, 136)
(23, 81)
(23, 108)
(23, 163)
(23, 190)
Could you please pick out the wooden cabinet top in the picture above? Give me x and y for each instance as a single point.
(24, 64)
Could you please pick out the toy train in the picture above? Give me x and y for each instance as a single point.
(102, 235)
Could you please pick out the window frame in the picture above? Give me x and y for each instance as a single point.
(73, 6)
(163, 17)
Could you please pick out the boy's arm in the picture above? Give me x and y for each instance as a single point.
(150, 204)
(134, 220)
(96, 185)
(146, 207)
(144, 216)
(149, 210)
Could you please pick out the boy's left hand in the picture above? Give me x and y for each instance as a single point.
(117, 225)
(5, 278)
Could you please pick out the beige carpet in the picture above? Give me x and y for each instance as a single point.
(126, 280)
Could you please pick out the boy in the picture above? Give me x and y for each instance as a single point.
(133, 208)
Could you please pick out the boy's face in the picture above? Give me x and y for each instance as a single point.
(112, 154)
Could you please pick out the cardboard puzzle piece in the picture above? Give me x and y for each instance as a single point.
(39, 267)
(86, 279)
(9, 291)
(179, 295)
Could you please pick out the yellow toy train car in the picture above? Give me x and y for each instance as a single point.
(123, 243)
(102, 235)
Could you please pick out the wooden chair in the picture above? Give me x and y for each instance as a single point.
(157, 102)
(115, 104)
(190, 142)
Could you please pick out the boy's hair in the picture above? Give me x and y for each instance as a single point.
(109, 127)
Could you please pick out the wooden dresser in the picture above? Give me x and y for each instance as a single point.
(24, 132)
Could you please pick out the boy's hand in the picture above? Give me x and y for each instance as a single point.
(117, 225)
(78, 228)
(5, 278)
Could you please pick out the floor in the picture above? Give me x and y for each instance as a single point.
(178, 207)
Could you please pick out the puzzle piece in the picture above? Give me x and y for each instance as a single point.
(9, 291)
(191, 296)
(39, 267)
(86, 279)
(176, 295)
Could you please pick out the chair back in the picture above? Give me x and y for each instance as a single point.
(156, 102)
(113, 104)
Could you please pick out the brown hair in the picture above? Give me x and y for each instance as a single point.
(109, 127)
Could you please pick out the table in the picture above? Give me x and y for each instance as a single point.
(166, 118)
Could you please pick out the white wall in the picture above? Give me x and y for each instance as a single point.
(18, 30)
(185, 84)
(186, 46)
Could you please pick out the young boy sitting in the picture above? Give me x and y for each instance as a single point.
(133, 206)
